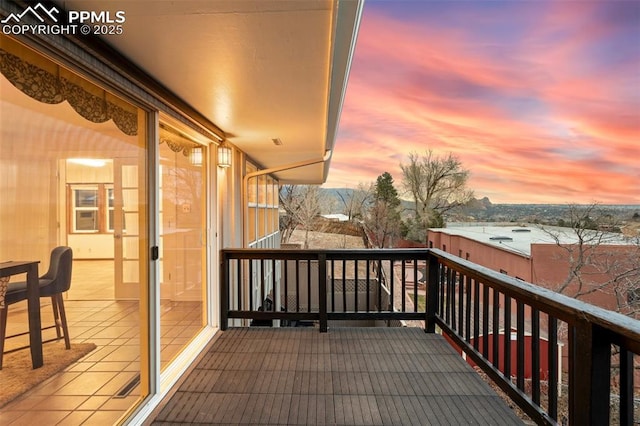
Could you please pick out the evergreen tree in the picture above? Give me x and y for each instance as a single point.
(386, 192)
(383, 218)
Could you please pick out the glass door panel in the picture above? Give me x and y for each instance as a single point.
(183, 195)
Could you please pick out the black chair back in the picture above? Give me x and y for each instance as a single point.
(59, 270)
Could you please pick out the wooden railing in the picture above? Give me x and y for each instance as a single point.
(489, 317)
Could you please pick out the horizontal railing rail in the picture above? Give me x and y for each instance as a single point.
(322, 285)
(558, 358)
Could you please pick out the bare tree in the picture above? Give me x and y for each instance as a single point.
(302, 205)
(381, 225)
(437, 185)
(356, 201)
(598, 261)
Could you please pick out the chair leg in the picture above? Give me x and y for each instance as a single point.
(56, 315)
(3, 330)
(63, 320)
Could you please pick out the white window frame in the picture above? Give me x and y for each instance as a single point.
(75, 209)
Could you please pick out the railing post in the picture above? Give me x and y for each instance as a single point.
(224, 291)
(589, 374)
(432, 293)
(322, 291)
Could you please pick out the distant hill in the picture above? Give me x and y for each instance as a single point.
(483, 210)
(336, 195)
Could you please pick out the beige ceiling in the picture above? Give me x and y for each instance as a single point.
(257, 69)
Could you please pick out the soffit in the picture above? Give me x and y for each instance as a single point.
(258, 70)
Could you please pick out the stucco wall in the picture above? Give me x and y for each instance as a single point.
(513, 264)
(551, 267)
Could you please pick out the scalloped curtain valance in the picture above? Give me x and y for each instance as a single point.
(88, 100)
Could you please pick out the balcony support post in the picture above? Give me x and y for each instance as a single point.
(590, 374)
(432, 294)
(322, 290)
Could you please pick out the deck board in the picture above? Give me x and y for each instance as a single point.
(350, 376)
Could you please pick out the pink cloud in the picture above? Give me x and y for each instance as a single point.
(531, 127)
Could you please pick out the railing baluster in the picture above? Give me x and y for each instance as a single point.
(379, 278)
(485, 321)
(344, 286)
(461, 304)
(368, 286)
(239, 282)
(356, 286)
(415, 285)
(403, 284)
(476, 314)
(507, 337)
(496, 328)
(552, 390)
(275, 293)
(447, 298)
(452, 298)
(468, 308)
(535, 355)
(309, 285)
(520, 346)
(391, 281)
(322, 292)
(442, 289)
(250, 285)
(333, 286)
(297, 285)
(263, 294)
(286, 285)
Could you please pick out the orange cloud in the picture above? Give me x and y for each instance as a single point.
(550, 116)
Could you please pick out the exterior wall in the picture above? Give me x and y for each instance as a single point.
(550, 268)
(230, 202)
(512, 264)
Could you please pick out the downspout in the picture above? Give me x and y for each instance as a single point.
(245, 182)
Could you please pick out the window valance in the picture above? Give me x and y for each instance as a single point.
(49, 83)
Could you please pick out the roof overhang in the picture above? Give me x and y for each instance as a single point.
(258, 70)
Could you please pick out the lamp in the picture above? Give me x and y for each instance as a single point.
(195, 156)
(224, 156)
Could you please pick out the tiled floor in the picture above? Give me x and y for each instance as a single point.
(84, 392)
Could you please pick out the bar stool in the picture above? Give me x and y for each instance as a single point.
(56, 281)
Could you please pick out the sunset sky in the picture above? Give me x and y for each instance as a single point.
(540, 100)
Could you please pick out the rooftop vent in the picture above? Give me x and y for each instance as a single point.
(501, 238)
(521, 230)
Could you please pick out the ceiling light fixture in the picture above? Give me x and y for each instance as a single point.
(90, 162)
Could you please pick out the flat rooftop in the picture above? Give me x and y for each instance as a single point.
(519, 237)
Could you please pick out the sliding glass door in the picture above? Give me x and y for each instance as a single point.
(183, 240)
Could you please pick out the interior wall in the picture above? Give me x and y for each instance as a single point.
(28, 218)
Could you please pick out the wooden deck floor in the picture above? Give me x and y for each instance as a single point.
(348, 376)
